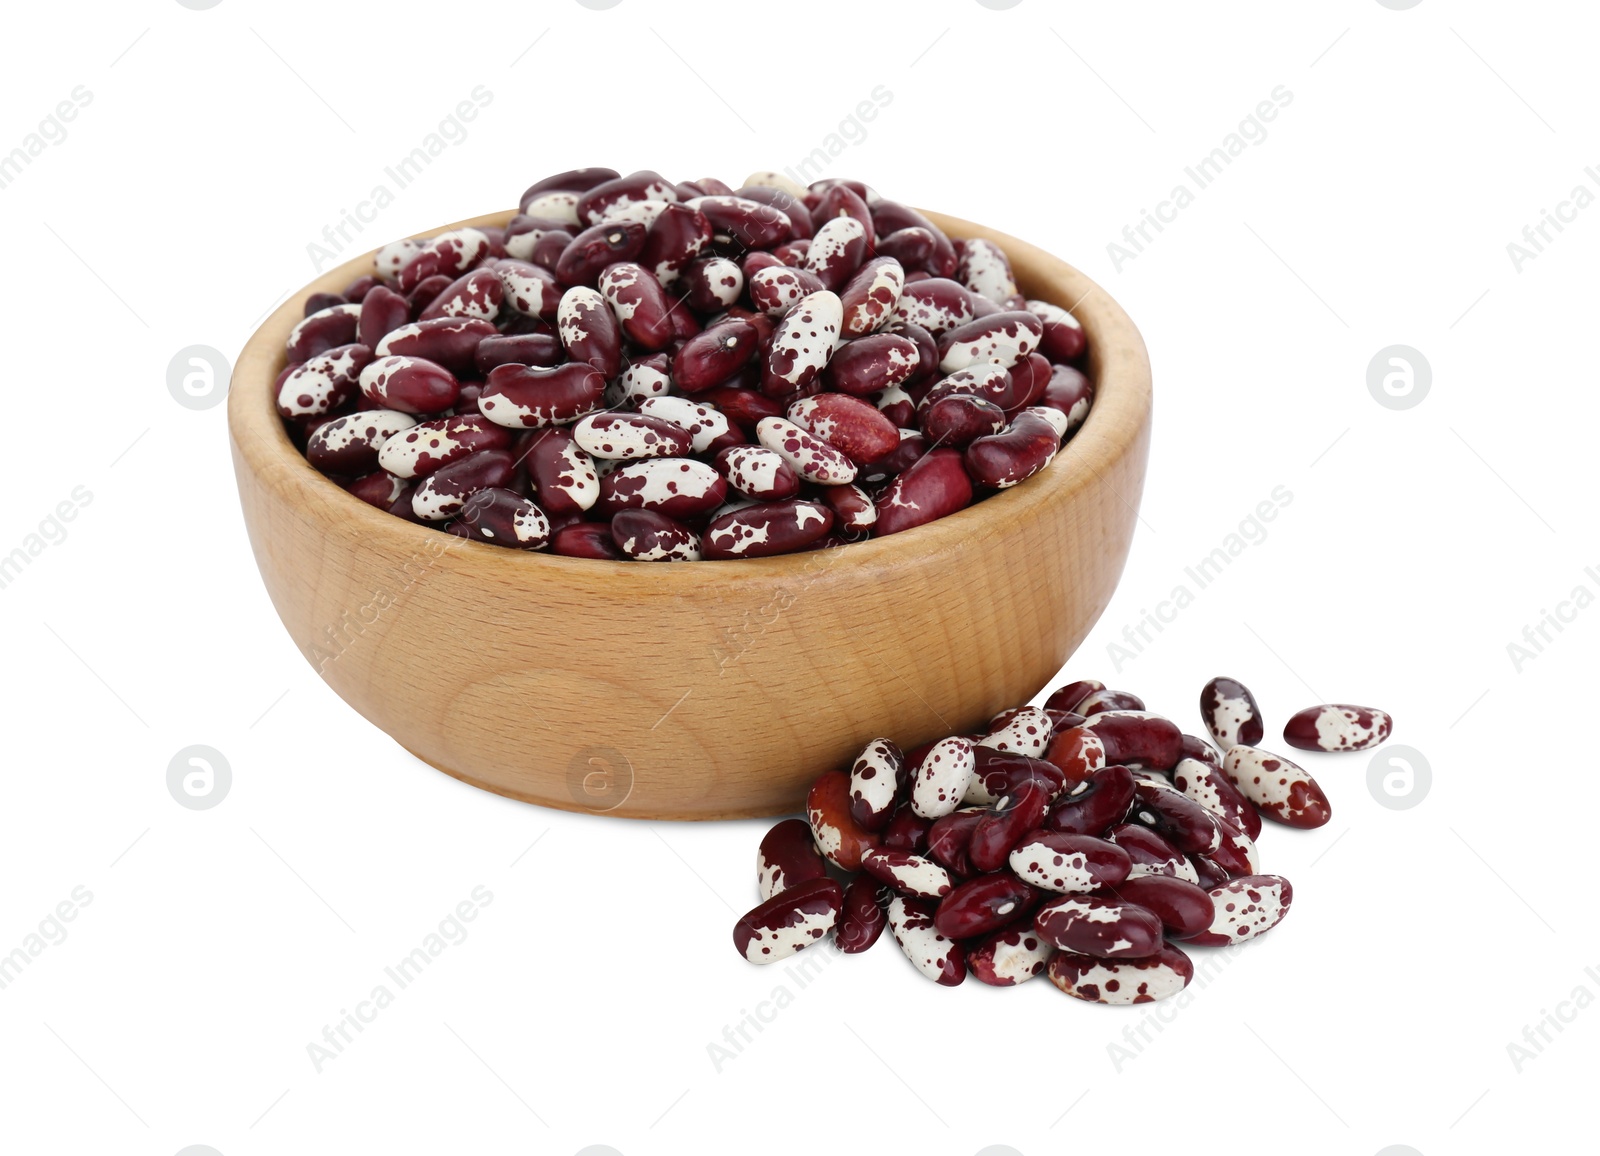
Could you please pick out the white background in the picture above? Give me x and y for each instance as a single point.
(579, 1009)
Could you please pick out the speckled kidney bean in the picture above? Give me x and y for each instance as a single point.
(1004, 824)
(1206, 783)
(837, 250)
(382, 311)
(602, 244)
(958, 420)
(840, 839)
(1184, 908)
(1014, 954)
(934, 487)
(852, 508)
(1124, 981)
(529, 289)
(394, 256)
(942, 777)
(449, 254)
(871, 296)
(766, 529)
(1103, 699)
(571, 181)
(911, 247)
(599, 199)
(991, 383)
(1063, 338)
(927, 349)
(1132, 736)
(1070, 393)
(1338, 727)
(1025, 731)
(650, 536)
(1097, 926)
(878, 779)
(1177, 818)
(897, 405)
(935, 955)
(711, 284)
(758, 473)
(908, 873)
(997, 774)
(676, 487)
(1150, 853)
(1061, 862)
(1002, 460)
(937, 304)
(744, 223)
(810, 457)
(1002, 338)
(648, 377)
(523, 396)
(984, 904)
(448, 341)
(1070, 696)
(564, 478)
(430, 445)
(853, 427)
(349, 445)
(586, 540)
(786, 198)
(1230, 713)
(441, 495)
(1078, 751)
(504, 517)
(639, 304)
(324, 330)
(385, 491)
(897, 461)
(1280, 789)
(1245, 909)
(863, 919)
(802, 344)
(589, 331)
(323, 384)
(708, 428)
(776, 289)
(872, 363)
(678, 235)
(477, 294)
(630, 436)
(409, 384)
(789, 921)
(986, 270)
(787, 857)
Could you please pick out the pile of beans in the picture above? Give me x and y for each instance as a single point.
(1083, 840)
(639, 369)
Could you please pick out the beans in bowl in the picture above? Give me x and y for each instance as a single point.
(637, 369)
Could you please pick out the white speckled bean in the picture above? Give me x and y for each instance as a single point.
(986, 270)
(935, 956)
(811, 457)
(1027, 733)
(943, 777)
(803, 342)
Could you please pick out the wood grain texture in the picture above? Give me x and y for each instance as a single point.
(696, 690)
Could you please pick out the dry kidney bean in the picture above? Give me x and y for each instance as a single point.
(1004, 824)
(828, 310)
(907, 831)
(524, 396)
(942, 777)
(908, 873)
(931, 952)
(1177, 818)
(1095, 804)
(1337, 727)
(676, 487)
(1124, 981)
(765, 529)
(1071, 696)
(1100, 700)
(649, 536)
(383, 490)
(1133, 736)
(877, 781)
(430, 445)
(1150, 853)
(850, 425)
(349, 445)
(949, 836)
(789, 921)
(627, 436)
(1014, 954)
(840, 839)
(1230, 713)
(1185, 909)
(1101, 927)
(1246, 908)
(863, 918)
(441, 495)
(984, 904)
(1279, 789)
(503, 518)
(1056, 861)
(935, 486)
(1078, 751)
(564, 478)
(1001, 460)
(787, 858)
(586, 540)
(1025, 731)
(1207, 784)
(1000, 773)
(758, 473)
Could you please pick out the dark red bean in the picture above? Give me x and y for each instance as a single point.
(788, 857)
(1002, 460)
(349, 445)
(1176, 818)
(324, 330)
(800, 224)
(382, 312)
(862, 921)
(571, 181)
(1096, 804)
(984, 904)
(503, 517)
(714, 356)
(949, 836)
(1004, 824)
(676, 237)
(1101, 700)
(586, 540)
(1070, 392)
(935, 487)
(587, 254)
(765, 529)
(540, 349)
(1068, 697)
(848, 424)
(450, 341)
(441, 495)
(317, 302)
(956, 421)
(1132, 736)
(1104, 928)
(788, 922)
(891, 216)
(640, 304)
(649, 536)
(912, 247)
(743, 223)
(410, 385)
(746, 408)
(1058, 861)
(897, 461)
(1151, 854)
(1185, 909)
(872, 363)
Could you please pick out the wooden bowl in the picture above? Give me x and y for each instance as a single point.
(700, 690)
